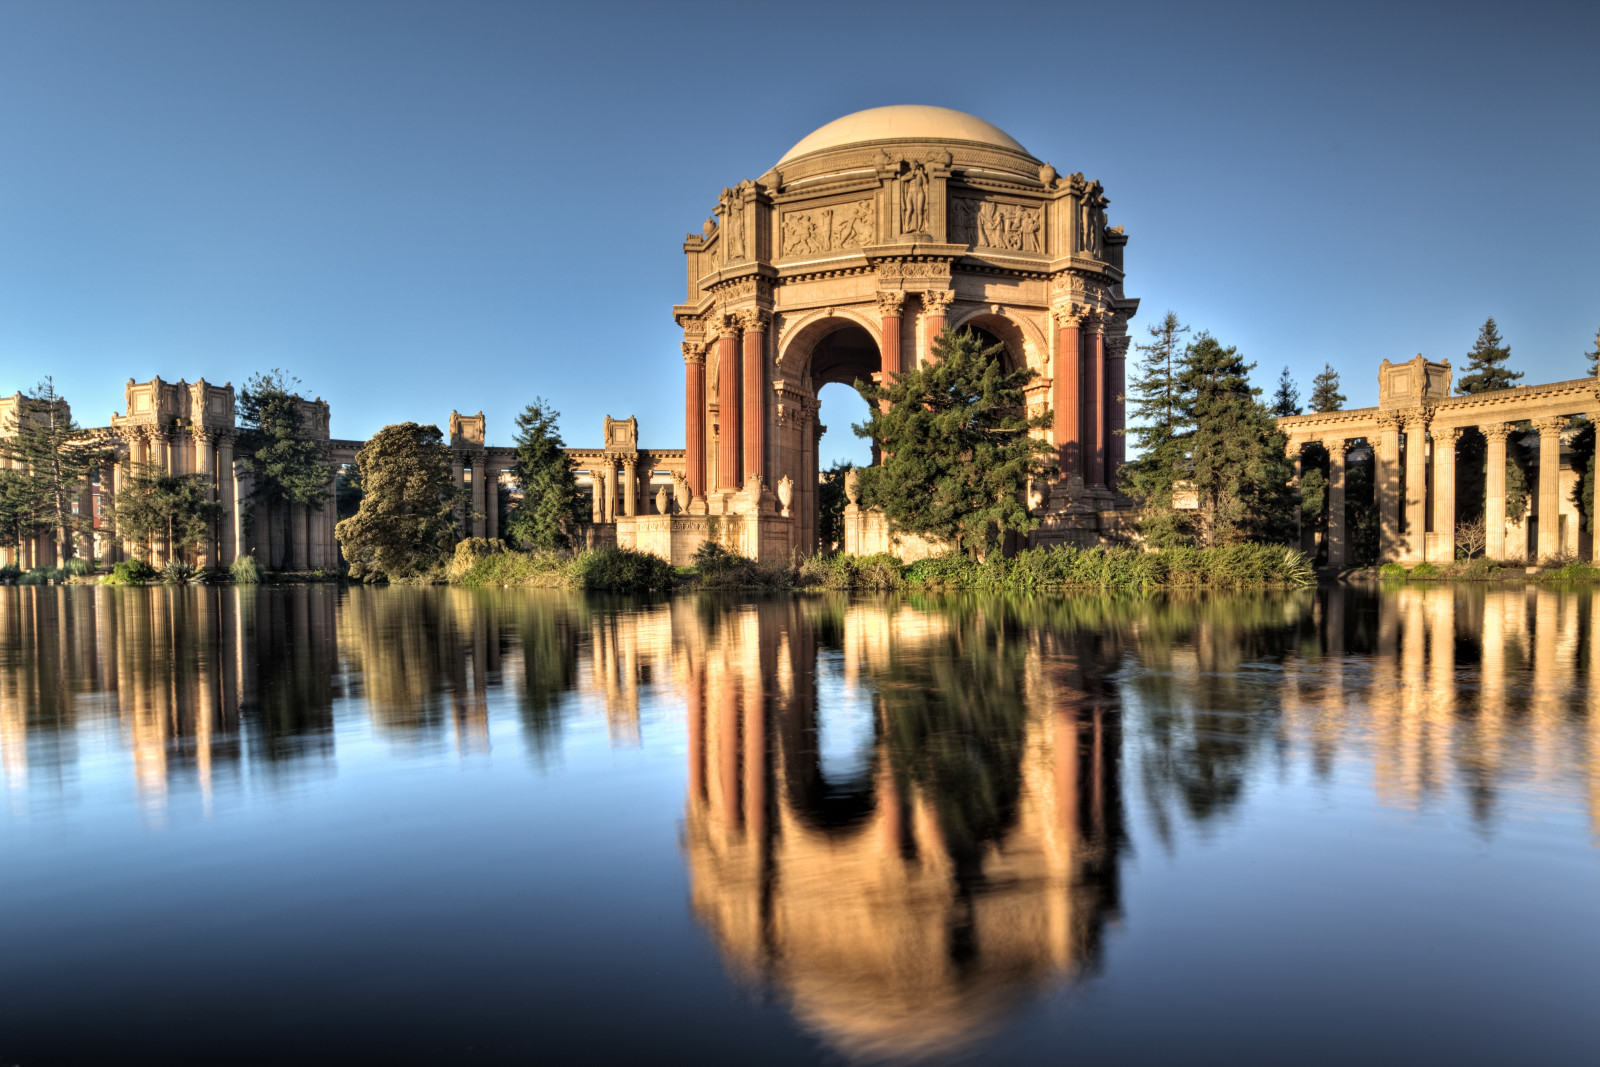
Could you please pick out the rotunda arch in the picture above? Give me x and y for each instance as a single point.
(1025, 346)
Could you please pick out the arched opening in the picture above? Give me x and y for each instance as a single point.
(844, 353)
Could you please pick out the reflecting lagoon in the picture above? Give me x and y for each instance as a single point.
(324, 825)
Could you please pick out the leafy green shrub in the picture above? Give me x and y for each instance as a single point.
(1479, 569)
(623, 570)
(77, 567)
(951, 570)
(1426, 571)
(1392, 572)
(178, 572)
(1576, 571)
(247, 570)
(40, 576)
(9, 574)
(132, 572)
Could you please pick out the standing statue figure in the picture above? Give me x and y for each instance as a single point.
(680, 491)
(1092, 214)
(852, 486)
(785, 493)
(914, 199)
(732, 226)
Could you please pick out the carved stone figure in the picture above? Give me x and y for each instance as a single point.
(828, 229)
(729, 207)
(680, 491)
(1092, 217)
(914, 199)
(661, 501)
(852, 486)
(785, 494)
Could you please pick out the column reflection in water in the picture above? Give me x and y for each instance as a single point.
(969, 859)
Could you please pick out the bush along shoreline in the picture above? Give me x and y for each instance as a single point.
(482, 563)
(1483, 569)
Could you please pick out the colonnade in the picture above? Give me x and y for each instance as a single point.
(740, 410)
(484, 520)
(1087, 406)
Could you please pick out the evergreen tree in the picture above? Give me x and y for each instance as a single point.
(1593, 355)
(407, 521)
(958, 454)
(830, 503)
(45, 442)
(1286, 401)
(1239, 470)
(19, 508)
(1325, 395)
(1160, 432)
(1485, 363)
(286, 462)
(154, 503)
(550, 503)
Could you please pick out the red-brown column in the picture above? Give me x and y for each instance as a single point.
(755, 408)
(1094, 427)
(1116, 413)
(697, 736)
(729, 476)
(694, 417)
(727, 704)
(934, 305)
(1069, 367)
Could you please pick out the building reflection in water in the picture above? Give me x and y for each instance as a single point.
(971, 858)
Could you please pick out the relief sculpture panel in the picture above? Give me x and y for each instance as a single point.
(828, 229)
(990, 224)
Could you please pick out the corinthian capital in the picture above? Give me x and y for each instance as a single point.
(1116, 345)
(890, 304)
(937, 301)
(753, 318)
(1447, 436)
(1496, 431)
(1069, 316)
(694, 352)
(1550, 425)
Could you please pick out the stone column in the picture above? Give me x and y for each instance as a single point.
(227, 535)
(1386, 486)
(239, 492)
(597, 494)
(934, 306)
(630, 487)
(1094, 429)
(1338, 542)
(1444, 494)
(204, 440)
(110, 482)
(1116, 346)
(458, 477)
(611, 490)
(754, 321)
(889, 307)
(694, 399)
(1068, 424)
(491, 499)
(1295, 450)
(1416, 487)
(1550, 484)
(1494, 490)
(729, 422)
(298, 536)
(160, 460)
(1594, 538)
(86, 518)
(479, 507)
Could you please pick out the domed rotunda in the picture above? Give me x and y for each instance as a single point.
(844, 261)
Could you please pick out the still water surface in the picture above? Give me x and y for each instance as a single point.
(318, 825)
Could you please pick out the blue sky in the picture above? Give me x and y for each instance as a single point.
(414, 207)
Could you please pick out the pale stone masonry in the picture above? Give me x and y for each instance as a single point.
(1415, 410)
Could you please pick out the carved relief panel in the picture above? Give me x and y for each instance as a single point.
(828, 229)
(992, 224)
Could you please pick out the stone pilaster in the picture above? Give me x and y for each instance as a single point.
(694, 392)
(1338, 539)
(1416, 531)
(1068, 425)
(754, 323)
(1550, 484)
(729, 422)
(1444, 494)
(935, 305)
(1494, 490)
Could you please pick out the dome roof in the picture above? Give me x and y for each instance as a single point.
(903, 122)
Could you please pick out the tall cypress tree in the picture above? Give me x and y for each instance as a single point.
(1325, 395)
(1239, 469)
(1286, 401)
(549, 505)
(1486, 370)
(1593, 355)
(958, 454)
(46, 444)
(1160, 432)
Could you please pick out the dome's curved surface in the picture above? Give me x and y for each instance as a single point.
(903, 122)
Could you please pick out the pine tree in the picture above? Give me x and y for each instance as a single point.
(1160, 431)
(1325, 395)
(1239, 469)
(406, 523)
(958, 452)
(286, 463)
(58, 458)
(1593, 355)
(176, 507)
(1286, 401)
(20, 495)
(550, 504)
(1485, 369)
